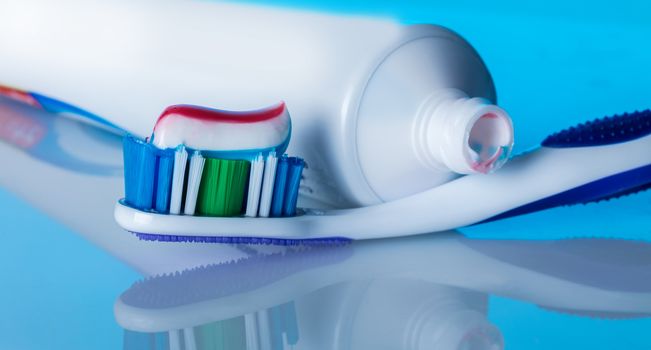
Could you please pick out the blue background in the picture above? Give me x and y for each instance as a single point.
(555, 63)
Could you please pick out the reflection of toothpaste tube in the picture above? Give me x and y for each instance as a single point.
(396, 313)
(380, 111)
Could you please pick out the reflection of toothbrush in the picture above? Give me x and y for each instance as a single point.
(597, 160)
(567, 274)
(214, 163)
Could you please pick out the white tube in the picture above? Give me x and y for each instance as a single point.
(371, 100)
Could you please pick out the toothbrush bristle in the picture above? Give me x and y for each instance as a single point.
(295, 170)
(223, 185)
(325, 241)
(139, 173)
(604, 131)
(282, 169)
(162, 180)
(178, 180)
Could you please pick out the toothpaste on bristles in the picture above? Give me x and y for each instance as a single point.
(209, 162)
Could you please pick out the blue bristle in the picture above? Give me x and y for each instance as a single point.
(604, 131)
(139, 172)
(164, 180)
(244, 240)
(290, 323)
(138, 341)
(294, 172)
(279, 187)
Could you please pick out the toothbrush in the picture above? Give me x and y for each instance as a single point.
(230, 159)
(594, 161)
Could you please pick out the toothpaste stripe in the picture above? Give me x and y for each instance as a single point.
(218, 115)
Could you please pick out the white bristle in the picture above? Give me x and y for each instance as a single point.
(268, 184)
(174, 339)
(194, 180)
(255, 184)
(252, 332)
(189, 339)
(178, 177)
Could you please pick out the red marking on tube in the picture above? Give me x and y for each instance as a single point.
(19, 95)
(19, 130)
(217, 115)
(488, 116)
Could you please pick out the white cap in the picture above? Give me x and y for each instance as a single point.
(461, 134)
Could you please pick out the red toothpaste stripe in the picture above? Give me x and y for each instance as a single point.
(216, 115)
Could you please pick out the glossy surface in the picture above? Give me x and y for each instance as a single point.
(422, 292)
(554, 65)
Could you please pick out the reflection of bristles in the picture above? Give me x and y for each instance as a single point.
(228, 278)
(326, 241)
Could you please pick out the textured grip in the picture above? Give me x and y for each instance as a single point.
(603, 131)
(611, 187)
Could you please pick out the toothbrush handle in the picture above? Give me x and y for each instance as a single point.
(611, 187)
(596, 134)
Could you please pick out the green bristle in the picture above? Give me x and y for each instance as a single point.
(222, 335)
(223, 186)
